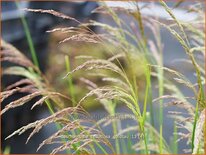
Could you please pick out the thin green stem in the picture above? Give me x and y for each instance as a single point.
(29, 38)
(114, 125)
(70, 81)
(194, 126)
(115, 131)
(175, 138)
(161, 141)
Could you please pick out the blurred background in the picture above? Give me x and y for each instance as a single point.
(51, 57)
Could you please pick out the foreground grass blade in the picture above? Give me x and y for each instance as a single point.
(29, 38)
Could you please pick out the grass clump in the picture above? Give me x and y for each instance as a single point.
(124, 76)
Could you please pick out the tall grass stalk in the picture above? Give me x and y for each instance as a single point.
(70, 82)
(29, 38)
(121, 86)
(32, 49)
(71, 92)
(175, 139)
(115, 131)
(35, 60)
(186, 45)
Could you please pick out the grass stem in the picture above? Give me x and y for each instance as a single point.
(29, 38)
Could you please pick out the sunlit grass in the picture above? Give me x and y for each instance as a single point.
(113, 70)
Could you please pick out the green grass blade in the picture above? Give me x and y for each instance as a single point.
(69, 79)
(29, 38)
